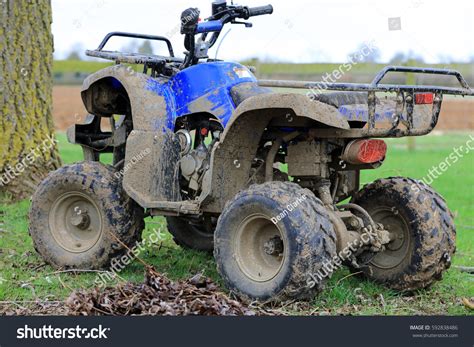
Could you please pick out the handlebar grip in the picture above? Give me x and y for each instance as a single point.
(259, 11)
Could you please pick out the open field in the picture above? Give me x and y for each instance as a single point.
(25, 278)
(72, 66)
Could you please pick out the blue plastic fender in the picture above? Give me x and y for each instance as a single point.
(202, 88)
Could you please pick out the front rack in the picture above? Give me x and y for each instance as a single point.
(134, 58)
(405, 100)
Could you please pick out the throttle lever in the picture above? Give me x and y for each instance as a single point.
(247, 24)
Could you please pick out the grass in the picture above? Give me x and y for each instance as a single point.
(72, 66)
(24, 277)
(68, 66)
(323, 68)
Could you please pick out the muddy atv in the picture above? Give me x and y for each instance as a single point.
(268, 181)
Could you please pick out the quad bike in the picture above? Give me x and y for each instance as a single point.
(259, 177)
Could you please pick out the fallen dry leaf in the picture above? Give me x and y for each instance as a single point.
(468, 303)
(158, 295)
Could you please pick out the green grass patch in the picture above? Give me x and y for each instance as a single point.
(72, 153)
(322, 68)
(24, 276)
(72, 66)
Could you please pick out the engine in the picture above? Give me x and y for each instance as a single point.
(195, 156)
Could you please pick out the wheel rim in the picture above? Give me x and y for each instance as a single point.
(75, 222)
(399, 248)
(259, 248)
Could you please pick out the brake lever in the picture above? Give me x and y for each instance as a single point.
(247, 24)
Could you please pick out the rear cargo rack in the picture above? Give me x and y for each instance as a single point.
(405, 100)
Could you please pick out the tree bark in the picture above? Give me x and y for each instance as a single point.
(28, 150)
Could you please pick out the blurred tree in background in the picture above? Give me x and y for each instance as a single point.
(145, 48)
(28, 150)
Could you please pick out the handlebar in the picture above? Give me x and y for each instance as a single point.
(221, 15)
(228, 14)
(259, 11)
(209, 26)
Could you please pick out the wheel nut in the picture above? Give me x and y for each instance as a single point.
(354, 223)
(274, 246)
(81, 221)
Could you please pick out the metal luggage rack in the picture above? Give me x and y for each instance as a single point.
(405, 100)
(149, 61)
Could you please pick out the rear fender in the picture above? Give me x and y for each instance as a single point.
(300, 106)
(254, 114)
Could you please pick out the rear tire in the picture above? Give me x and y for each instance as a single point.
(266, 261)
(81, 218)
(425, 232)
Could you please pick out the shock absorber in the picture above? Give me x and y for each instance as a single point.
(323, 187)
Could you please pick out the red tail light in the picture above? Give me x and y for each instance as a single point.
(424, 98)
(364, 151)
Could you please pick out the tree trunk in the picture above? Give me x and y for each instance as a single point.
(28, 149)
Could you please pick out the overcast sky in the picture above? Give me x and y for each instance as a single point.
(298, 31)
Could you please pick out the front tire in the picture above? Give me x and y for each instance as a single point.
(273, 260)
(81, 217)
(422, 229)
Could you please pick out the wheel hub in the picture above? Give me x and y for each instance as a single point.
(259, 248)
(399, 246)
(75, 222)
(274, 246)
(396, 241)
(81, 220)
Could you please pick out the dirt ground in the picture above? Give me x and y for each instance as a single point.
(456, 114)
(68, 108)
